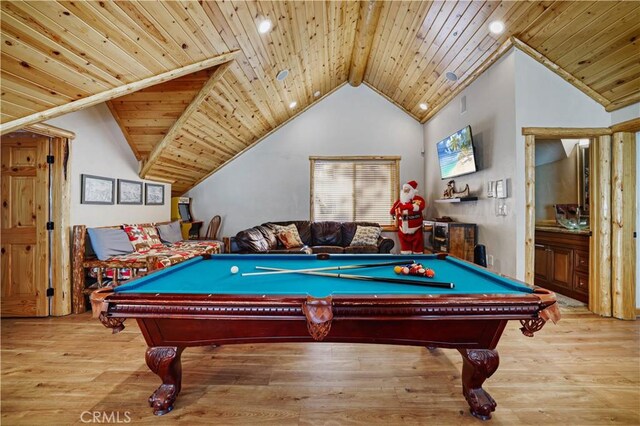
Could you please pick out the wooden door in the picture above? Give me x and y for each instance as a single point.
(23, 219)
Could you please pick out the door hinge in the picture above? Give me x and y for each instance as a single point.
(50, 159)
(50, 292)
(49, 226)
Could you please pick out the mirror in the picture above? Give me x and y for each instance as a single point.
(561, 178)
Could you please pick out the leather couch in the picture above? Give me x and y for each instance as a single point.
(321, 237)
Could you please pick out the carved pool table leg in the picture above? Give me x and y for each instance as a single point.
(478, 365)
(165, 362)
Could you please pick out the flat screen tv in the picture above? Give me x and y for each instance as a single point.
(456, 155)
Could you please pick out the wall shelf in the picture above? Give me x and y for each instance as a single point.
(456, 200)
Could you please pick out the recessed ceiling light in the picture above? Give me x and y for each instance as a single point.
(264, 26)
(282, 75)
(424, 107)
(496, 27)
(293, 104)
(451, 76)
(317, 93)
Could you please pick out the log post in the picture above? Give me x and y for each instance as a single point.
(600, 216)
(79, 241)
(623, 259)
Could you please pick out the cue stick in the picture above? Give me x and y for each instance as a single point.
(326, 268)
(367, 278)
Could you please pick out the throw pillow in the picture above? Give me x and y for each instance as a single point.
(170, 233)
(137, 237)
(290, 239)
(366, 236)
(108, 242)
(295, 236)
(152, 235)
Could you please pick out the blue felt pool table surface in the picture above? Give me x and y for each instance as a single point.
(213, 276)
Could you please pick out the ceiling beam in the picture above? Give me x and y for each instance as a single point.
(115, 92)
(365, 30)
(177, 126)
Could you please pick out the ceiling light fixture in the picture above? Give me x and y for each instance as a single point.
(264, 26)
(451, 76)
(293, 104)
(496, 27)
(424, 106)
(282, 75)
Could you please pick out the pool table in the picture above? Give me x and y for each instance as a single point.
(201, 302)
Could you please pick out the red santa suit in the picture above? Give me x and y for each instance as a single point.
(407, 212)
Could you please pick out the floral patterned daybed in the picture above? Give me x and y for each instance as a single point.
(144, 252)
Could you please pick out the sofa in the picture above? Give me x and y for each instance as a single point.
(319, 237)
(111, 254)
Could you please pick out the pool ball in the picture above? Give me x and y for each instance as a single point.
(405, 270)
(398, 269)
(430, 273)
(234, 269)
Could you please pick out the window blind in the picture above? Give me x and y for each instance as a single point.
(353, 190)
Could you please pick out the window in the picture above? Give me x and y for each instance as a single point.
(347, 189)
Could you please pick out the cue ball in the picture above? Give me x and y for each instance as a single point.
(234, 269)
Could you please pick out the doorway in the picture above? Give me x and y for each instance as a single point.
(34, 223)
(611, 282)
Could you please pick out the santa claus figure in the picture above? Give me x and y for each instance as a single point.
(407, 212)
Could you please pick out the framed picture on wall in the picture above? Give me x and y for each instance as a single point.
(97, 190)
(129, 192)
(154, 194)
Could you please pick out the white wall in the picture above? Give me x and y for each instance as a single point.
(270, 182)
(491, 114)
(625, 114)
(101, 149)
(544, 99)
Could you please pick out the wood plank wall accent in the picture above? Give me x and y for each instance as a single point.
(177, 125)
(530, 207)
(367, 24)
(600, 211)
(623, 248)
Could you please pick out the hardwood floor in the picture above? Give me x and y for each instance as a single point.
(583, 371)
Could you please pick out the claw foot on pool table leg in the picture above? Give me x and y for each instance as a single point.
(165, 362)
(478, 365)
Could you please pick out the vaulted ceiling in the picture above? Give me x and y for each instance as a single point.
(193, 84)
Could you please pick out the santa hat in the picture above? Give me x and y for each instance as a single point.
(413, 184)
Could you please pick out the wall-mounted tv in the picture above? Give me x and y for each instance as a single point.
(456, 154)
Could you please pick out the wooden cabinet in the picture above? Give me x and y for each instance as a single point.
(458, 239)
(562, 263)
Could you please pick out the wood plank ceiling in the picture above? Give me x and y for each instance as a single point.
(55, 53)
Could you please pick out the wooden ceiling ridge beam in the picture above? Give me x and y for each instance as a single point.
(177, 125)
(115, 92)
(365, 31)
(576, 82)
